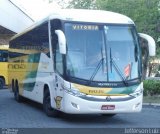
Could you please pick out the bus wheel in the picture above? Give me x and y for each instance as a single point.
(1, 83)
(12, 86)
(47, 105)
(17, 97)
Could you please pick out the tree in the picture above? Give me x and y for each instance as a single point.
(145, 13)
(61, 3)
(83, 4)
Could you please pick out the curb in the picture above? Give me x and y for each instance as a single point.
(151, 104)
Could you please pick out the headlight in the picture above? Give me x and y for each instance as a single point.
(74, 91)
(137, 92)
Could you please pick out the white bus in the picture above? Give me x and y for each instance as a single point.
(80, 62)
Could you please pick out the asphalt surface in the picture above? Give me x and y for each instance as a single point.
(30, 115)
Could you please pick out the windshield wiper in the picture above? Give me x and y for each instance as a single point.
(96, 70)
(101, 61)
(113, 63)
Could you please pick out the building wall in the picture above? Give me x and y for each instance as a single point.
(5, 35)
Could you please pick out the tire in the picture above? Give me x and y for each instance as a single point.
(17, 97)
(47, 105)
(1, 83)
(12, 86)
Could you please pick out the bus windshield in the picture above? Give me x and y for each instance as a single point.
(102, 52)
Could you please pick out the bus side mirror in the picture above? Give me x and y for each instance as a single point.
(151, 43)
(61, 41)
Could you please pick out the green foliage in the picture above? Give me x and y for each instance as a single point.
(145, 13)
(151, 87)
(83, 4)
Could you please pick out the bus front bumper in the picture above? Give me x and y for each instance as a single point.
(77, 105)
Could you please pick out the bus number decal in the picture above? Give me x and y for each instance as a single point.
(16, 66)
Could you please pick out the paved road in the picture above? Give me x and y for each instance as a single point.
(30, 115)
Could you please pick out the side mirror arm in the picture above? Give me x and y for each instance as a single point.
(151, 43)
(61, 41)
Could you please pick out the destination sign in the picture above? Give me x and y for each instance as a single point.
(85, 27)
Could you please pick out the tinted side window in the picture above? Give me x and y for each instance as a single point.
(3, 56)
(40, 39)
(33, 42)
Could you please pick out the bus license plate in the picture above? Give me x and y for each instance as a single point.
(108, 107)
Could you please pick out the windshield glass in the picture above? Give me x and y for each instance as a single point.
(101, 52)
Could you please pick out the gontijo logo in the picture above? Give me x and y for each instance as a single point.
(16, 66)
